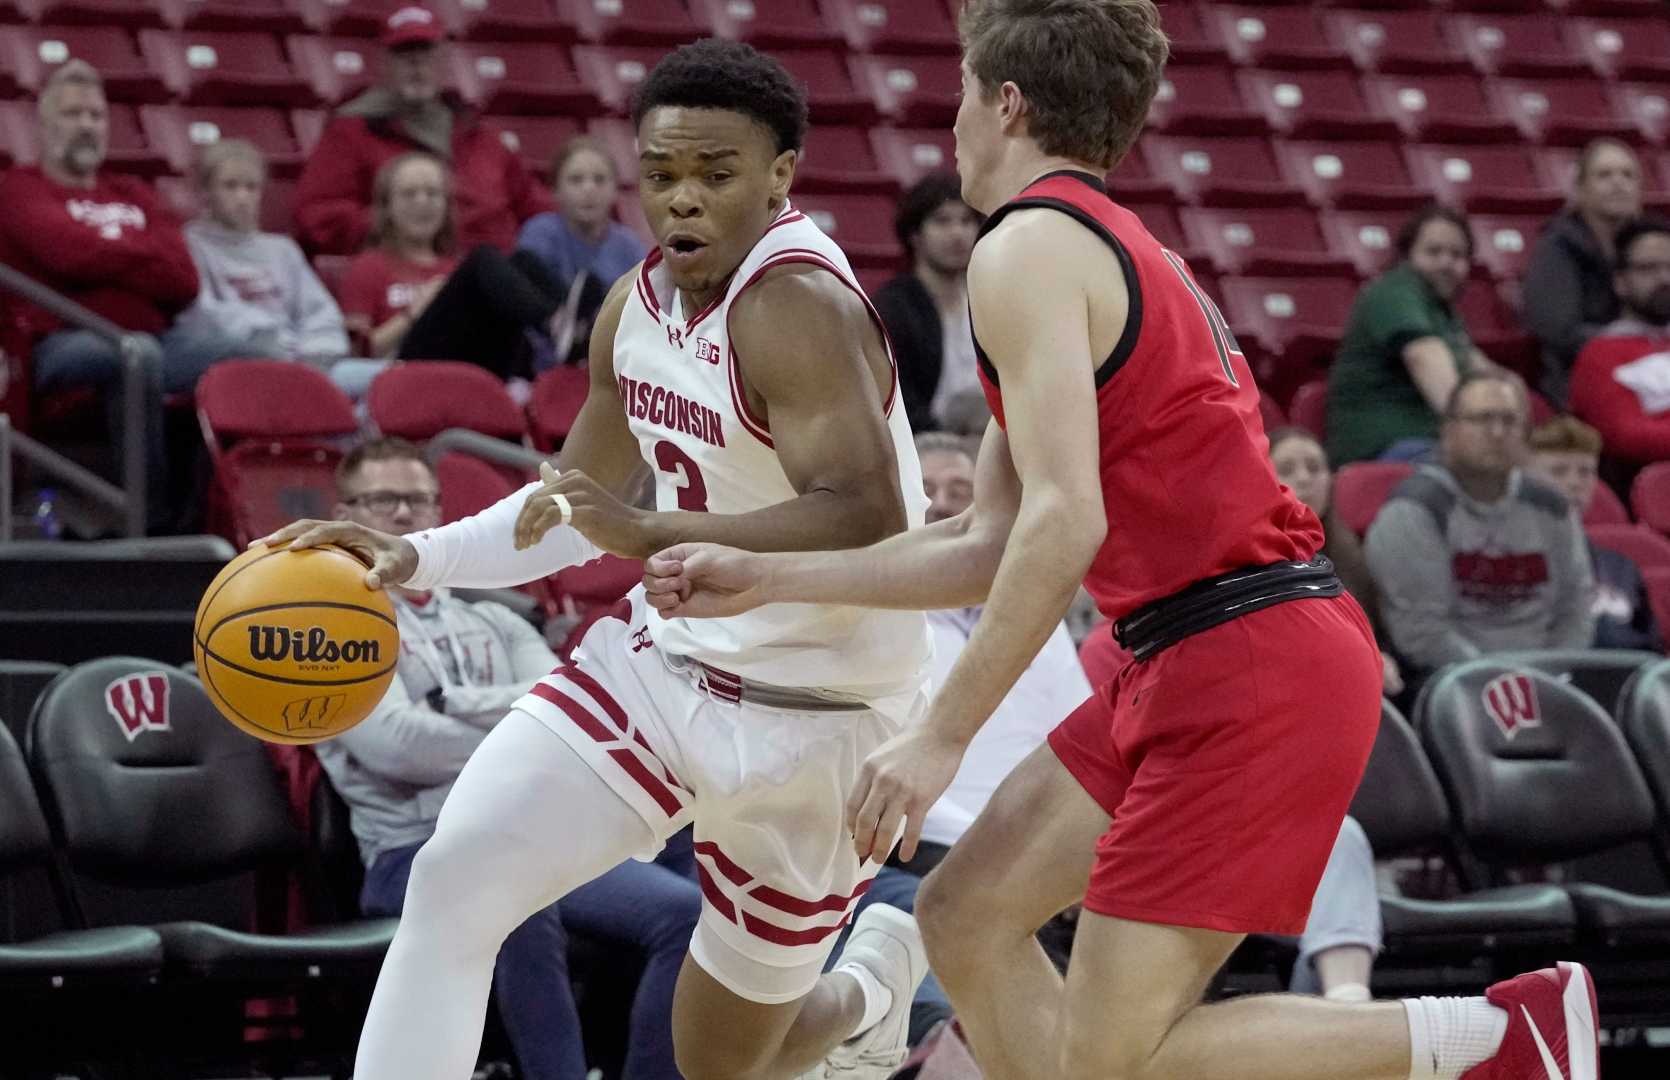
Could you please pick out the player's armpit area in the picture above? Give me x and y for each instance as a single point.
(816, 364)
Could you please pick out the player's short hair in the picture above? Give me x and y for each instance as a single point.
(946, 442)
(1088, 68)
(919, 202)
(1410, 231)
(73, 72)
(1565, 435)
(728, 75)
(382, 192)
(218, 153)
(383, 448)
(1635, 229)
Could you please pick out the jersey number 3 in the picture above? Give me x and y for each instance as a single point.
(1228, 348)
(692, 489)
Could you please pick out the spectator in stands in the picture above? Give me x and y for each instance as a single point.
(1568, 288)
(925, 309)
(255, 286)
(408, 111)
(461, 667)
(1404, 346)
(1565, 453)
(408, 297)
(108, 242)
(1473, 556)
(1302, 465)
(1621, 381)
(582, 250)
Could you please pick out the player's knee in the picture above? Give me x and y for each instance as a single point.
(945, 912)
(1091, 1055)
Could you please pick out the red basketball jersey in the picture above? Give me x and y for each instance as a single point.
(1186, 477)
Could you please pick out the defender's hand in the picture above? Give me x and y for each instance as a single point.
(703, 581)
(897, 784)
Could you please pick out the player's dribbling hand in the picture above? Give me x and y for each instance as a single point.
(601, 518)
(392, 559)
(703, 581)
(898, 782)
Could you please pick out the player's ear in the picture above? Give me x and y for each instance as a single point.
(782, 175)
(1012, 107)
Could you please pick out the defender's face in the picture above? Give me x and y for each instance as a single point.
(979, 134)
(710, 182)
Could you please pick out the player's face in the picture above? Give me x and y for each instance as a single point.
(1643, 281)
(710, 181)
(586, 188)
(946, 239)
(397, 496)
(948, 480)
(235, 194)
(1486, 432)
(979, 134)
(1302, 466)
(1439, 254)
(1611, 185)
(75, 129)
(1573, 472)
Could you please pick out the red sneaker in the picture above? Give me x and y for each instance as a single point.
(1551, 1027)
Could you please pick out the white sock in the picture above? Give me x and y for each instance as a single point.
(1449, 1035)
(1351, 991)
(877, 998)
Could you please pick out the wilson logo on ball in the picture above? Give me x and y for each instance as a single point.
(310, 646)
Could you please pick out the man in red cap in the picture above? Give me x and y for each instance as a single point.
(408, 111)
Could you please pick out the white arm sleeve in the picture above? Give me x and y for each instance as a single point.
(477, 552)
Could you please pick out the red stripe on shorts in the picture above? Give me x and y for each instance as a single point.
(582, 718)
(661, 793)
(714, 896)
(779, 936)
(782, 901)
(737, 874)
(595, 689)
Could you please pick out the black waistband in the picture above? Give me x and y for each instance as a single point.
(1156, 627)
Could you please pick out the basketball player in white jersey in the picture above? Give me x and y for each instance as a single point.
(743, 365)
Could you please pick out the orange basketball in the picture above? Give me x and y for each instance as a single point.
(292, 646)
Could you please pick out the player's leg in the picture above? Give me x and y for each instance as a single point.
(1025, 858)
(527, 821)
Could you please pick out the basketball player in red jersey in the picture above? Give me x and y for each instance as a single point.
(1200, 791)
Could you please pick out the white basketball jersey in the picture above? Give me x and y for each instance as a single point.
(679, 378)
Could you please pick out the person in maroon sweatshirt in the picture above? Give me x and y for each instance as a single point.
(407, 111)
(107, 242)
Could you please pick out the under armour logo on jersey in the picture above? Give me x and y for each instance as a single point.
(640, 639)
(675, 336)
(707, 350)
(139, 703)
(1511, 701)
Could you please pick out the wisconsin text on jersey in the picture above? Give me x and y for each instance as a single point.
(661, 406)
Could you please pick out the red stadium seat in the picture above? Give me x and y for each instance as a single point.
(339, 68)
(504, 20)
(841, 159)
(1441, 108)
(1366, 237)
(771, 24)
(1221, 172)
(1646, 547)
(630, 22)
(1276, 37)
(1361, 488)
(893, 26)
(1351, 175)
(1484, 178)
(908, 154)
(517, 77)
(1502, 243)
(1649, 496)
(1648, 107)
(268, 16)
(1316, 105)
(1132, 179)
(1395, 41)
(1605, 508)
(418, 401)
(32, 52)
(861, 224)
(536, 140)
(345, 18)
(91, 12)
(913, 90)
(1309, 407)
(1518, 45)
(181, 132)
(468, 485)
(1261, 241)
(1202, 99)
(1491, 314)
(308, 124)
(1567, 111)
(211, 68)
(1292, 325)
(1194, 37)
(555, 402)
(1626, 48)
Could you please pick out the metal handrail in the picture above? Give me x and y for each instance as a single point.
(140, 353)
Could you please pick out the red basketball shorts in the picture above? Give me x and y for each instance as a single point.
(1227, 763)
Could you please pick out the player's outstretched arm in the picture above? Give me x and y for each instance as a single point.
(948, 564)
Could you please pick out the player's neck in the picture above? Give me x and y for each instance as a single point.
(1021, 170)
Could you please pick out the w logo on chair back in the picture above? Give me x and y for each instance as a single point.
(139, 703)
(1511, 701)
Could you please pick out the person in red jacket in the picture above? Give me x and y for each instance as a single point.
(1621, 381)
(408, 111)
(108, 242)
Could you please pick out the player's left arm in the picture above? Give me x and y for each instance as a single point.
(806, 344)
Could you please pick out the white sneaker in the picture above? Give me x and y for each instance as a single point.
(885, 940)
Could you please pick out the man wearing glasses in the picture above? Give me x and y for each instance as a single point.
(462, 665)
(1621, 382)
(1473, 556)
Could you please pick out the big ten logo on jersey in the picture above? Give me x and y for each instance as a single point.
(139, 703)
(707, 350)
(312, 714)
